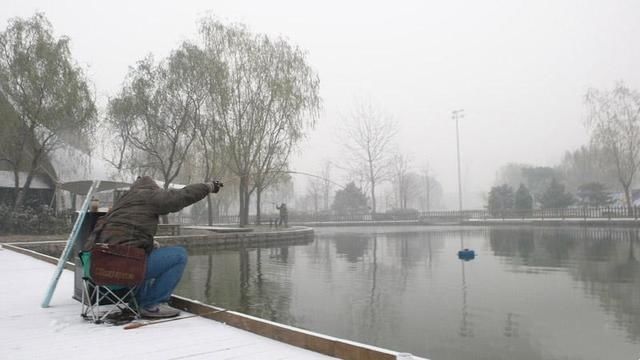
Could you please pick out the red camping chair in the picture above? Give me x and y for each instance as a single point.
(111, 276)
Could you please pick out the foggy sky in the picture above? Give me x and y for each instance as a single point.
(519, 69)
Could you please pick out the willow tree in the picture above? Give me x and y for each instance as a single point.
(209, 159)
(155, 117)
(270, 99)
(11, 141)
(211, 148)
(614, 121)
(47, 91)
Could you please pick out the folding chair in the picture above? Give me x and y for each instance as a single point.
(111, 275)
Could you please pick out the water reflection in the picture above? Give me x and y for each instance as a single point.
(352, 248)
(532, 292)
(247, 280)
(604, 261)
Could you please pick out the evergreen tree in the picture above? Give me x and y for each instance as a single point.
(523, 199)
(500, 198)
(350, 200)
(593, 194)
(556, 197)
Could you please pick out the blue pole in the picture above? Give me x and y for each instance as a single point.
(70, 243)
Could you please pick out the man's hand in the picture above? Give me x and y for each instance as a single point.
(215, 186)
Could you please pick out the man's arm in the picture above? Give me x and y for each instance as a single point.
(167, 201)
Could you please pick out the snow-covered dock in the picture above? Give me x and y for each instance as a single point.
(28, 331)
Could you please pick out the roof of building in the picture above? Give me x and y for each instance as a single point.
(82, 187)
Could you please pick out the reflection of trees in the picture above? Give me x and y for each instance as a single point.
(245, 269)
(616, 282)
(604, 259)
(410, 247)
(352, 246)
(262, 292)
(511, 325)
(542, 247)
(369, 280)
(207, 285)
(372, 296)
(242, 279)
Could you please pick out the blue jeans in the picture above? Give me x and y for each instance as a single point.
(164, 270)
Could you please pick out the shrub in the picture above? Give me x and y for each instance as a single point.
(40, 220)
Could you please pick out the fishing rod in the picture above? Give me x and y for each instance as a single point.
(135, 325)
(301, 173)
(310, 175)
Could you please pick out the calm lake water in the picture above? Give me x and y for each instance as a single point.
(531, 293)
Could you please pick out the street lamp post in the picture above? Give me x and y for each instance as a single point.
(458, 114)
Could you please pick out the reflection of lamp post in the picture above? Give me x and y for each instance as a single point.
(466, 326)
(458, 114)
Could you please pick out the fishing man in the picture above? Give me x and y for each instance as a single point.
(284, 215)
(133, 221)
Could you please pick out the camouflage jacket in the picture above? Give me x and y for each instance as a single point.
(133, 220)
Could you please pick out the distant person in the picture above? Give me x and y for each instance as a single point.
(284, 215)
(133, 221)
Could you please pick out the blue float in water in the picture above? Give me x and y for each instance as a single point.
(466, 254)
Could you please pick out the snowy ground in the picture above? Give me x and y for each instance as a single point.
(28, 331)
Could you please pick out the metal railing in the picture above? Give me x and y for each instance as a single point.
(567, 213)
(562, 213)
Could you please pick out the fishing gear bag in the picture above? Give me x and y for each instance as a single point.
(116, 265)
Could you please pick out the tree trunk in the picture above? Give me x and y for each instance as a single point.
(315, 204)
(241, 194)
(16, 181)
(258, 199)
(428, 194)
(216, 209)
(20, 198)
(22, 193)
(244, 201)
(209, 210)
(247, 203)
(373, 188)
(627, 195)
(325, 202)
(373, 197)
